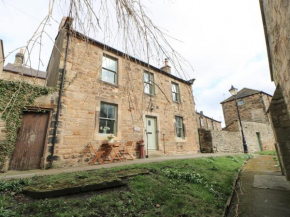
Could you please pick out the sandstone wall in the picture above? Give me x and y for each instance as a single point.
(253, 109)
(276, 15)
(220, 141)
(84, 92)
(230, 140)
(266, 136)
(10, 76)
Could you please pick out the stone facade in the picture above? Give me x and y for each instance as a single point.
(276, 15)
(231, 140)
(84, 91)
(10, 76)
(220, 141)
(253, 106)
(253, 109)
(207, 123)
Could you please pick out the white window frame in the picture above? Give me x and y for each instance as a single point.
(176, 93)
(150, 82)
(179, 127)
(108, 119)
(110, 70)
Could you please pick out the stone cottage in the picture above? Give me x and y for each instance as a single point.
(275, 16)
(253, 106)
(18, 71)
(102, 91)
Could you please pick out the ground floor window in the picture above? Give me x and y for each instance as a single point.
(107, 121)
(179, 127)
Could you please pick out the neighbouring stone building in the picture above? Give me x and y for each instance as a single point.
(276, 16)
(18, 71)
(102, 92)
(253, 106)
(206, 122)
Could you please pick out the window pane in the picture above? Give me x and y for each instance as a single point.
(108, 76)
(111, 125)
(110, 64)
(102, 126)
(146, 77)
(173, 87)
(104, 110)
(151, 89)
(111, 111)
(178, 122)
(178, 132)
(147, 88)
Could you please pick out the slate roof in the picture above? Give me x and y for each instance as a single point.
(25, 71)
(244, 93)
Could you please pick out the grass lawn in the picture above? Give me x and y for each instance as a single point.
(193, 187)
(267, 153)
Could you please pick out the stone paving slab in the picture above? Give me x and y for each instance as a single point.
(27, 174)
(259, 202)
(271, 182)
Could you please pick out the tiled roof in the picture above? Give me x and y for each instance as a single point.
(244, 93)
(25, 71)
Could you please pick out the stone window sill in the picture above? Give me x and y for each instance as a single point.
(108, 83)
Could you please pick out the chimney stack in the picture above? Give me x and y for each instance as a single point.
(19, 58)
(66, 22)
(166, 67)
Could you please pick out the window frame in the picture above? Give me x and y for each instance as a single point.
(115, 72)
(182, 127)
(177, 94)
(151, 85)
(110, 119)
(240, 101)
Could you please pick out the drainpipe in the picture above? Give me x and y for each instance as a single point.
(60, 93)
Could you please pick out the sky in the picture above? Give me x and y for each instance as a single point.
(223, 40)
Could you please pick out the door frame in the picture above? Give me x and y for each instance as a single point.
(157, 130)
(36, 110)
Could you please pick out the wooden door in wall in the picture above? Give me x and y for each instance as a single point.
(30, 142)
(151, 129)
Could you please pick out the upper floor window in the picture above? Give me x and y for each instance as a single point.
(148, 83)
(240, 102)
(179, 127)
(107, 121)
(109, 69)
(175, 92)
(201, 122)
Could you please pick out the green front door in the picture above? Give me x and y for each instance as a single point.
(259, 140)
(151, 133)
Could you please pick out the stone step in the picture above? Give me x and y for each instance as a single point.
(155, 153)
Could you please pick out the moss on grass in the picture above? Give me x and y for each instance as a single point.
(153, 194)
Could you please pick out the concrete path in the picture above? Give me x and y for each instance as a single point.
(26, 174)
(269, 198)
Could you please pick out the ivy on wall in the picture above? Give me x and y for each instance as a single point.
(14, 97)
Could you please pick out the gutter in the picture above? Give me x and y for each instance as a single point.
(66, 25)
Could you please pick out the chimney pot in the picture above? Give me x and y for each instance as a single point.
(166, 67)
(19, 58)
